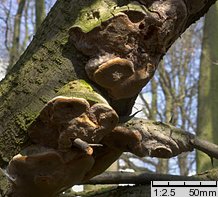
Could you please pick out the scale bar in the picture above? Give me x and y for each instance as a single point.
(184, 185)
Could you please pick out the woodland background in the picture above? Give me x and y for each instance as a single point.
(184, 91)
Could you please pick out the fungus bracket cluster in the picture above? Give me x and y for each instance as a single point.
(125, 47)
(74, 139)
(66, 140)
(77, 134)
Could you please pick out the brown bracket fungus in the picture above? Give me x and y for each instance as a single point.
(125, 48)
(76, 139)
(104, 156)
(39, 171)
(112, 72)
(65, 119)
(67, 136)
(119, 61)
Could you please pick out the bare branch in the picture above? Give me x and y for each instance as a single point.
(135, 178)
(156, 139)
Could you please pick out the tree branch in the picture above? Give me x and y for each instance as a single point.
(135, 178)
(156, 139)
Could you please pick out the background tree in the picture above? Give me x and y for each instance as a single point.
(18, 25)
(14, 51)
(40, 12)
(208, 89)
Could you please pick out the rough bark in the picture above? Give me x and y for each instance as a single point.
(135, 191)
(78, 40)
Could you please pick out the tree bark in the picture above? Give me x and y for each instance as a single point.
(69, 46)
(30, 80)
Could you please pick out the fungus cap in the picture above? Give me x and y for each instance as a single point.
(113, 72)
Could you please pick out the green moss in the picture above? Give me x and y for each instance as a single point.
(81, 89)
(58, 60)
(24, 120)
(37, 57)
(42, 68)
(83, 83)
(6, 84)
(44, 99)
(4, 184)
(50, 47)
(62, 41)
(100, 11)
(208, 175)
(87, 19)
(27, 91)
(39, 81)
(75, 86)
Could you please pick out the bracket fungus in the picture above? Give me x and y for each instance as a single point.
(74, 139)
(120, 60)
(66, 137)
(65, 119)
(40, 171)
(125, 48)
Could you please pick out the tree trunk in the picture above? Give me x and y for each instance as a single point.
(153, 114)
(208, 89)
(30, 80)
(78, 40)
(40, 12)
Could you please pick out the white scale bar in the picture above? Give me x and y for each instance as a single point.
(184, 189)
